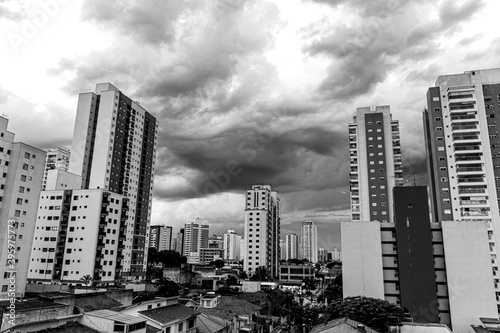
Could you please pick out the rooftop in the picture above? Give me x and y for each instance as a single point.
(32, 304)
(169, 313)
(116, 316)
(94, 302)
(209, 324)
(72, 327)
(336, 326)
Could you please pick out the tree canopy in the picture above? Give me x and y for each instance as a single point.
(374, 313)
(219, 263)
(167, 258)
(167, 288)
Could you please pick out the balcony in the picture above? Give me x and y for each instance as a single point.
(471, 127)
(462, 169)
(472, 189)
(466, 147)
(469, 157)
(473, 202)
(463, 117)
(471, 179)
(471, 137)
(459, 106)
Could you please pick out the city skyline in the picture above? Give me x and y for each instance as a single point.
(276, 104)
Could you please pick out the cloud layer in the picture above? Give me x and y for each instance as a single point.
(229, 117)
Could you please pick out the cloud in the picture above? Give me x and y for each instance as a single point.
(364, 52)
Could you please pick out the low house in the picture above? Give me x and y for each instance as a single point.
(419, 328)
(240, 314)
(342, 325)
(32, 311)
(112, 321)
(175, 318)
(210, 324)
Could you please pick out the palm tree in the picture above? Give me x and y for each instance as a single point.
(87, 279)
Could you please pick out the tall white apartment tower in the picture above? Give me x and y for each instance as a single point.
(463, 150)
(375, 163)
(309, 241)
(291, 246)
(114, 148)
(262, 230)
(232, 245)
(196, 236)
(21, 172)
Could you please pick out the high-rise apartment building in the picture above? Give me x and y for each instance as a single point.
(232, 245)
(114, 148)
(291, 246)
(20, 181)
(160, 237)
(262, 230)
(463, 150)
(375, 163)
(309, 241)
(179, 244)
(56, 159)
(79, 233)
(196, 235)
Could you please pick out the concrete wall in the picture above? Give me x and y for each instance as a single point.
(362, 272)
(469, 274)
(124, 296)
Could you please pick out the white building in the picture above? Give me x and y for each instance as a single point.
(56, 159)
(375, 162)
(232, 245)
(291, 246)
(196, 235)
(463, 149)
(79, 233)
(160, 237)
(309, 241)
(21, 172)
(114, 148)
(336, 254)
(262, 229)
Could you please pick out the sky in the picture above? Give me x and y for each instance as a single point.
(245, 92)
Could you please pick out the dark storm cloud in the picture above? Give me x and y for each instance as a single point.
(151, 21)
(255, 157)
(364, 53)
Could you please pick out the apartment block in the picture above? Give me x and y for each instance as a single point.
(375, 163)
(79, 233)
(21, 173)
(262, 230)
(114, 148)
(309, 241)
(160, 237)
(232, 245)
(291, 246)
(56, 159)
(462, 153)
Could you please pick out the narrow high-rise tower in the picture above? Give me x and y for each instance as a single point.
(309, 241)
(375, 161)
(262, 230)
(21, 178)
(463, 150)
(291, 246)
(114, 148)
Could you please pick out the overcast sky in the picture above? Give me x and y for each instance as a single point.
(245, 91)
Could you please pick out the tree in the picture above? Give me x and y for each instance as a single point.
(243, 275)
(260, 274)
(167, 288)
(219, 263)
(374, 313)
(88, 280)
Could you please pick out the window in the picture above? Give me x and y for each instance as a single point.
(27, 155)
(191, 323)
(438, 119)
(439, 128)
(23, 178)
(181, 327)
